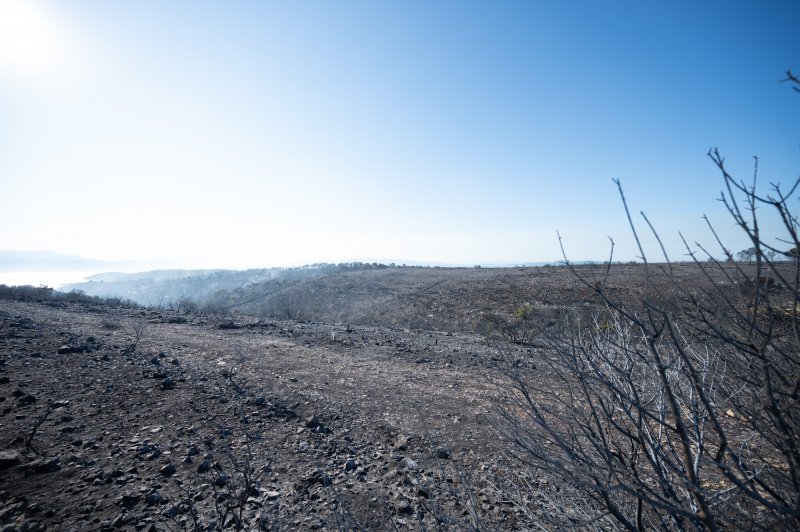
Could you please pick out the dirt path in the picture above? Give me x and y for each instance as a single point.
(350, 425)
(406, 379)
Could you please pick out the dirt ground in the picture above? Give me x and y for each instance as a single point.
(152, 420)
(342, 426)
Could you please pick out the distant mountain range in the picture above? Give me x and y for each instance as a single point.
(51, 261)
(42, 261)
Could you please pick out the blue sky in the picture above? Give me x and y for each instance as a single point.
(242, 134)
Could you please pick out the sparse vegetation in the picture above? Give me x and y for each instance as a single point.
(138, 329)
(47, 294)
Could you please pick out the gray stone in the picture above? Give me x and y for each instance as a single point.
(68, 349)
(27, 399)
(409, 463)
(41, 466)
(154, 498)
(204, 467)
(9, 459)
(129, 500)
(312, 422)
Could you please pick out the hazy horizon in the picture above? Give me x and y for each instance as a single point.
(255, 134)
(56, 274)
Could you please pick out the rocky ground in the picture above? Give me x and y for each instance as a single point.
(121, 418)
(150, 420)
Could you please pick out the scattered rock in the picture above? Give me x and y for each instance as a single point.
(409, 464)
(130, 500)
(402, 442)
(43, 465)
(317, 476)
(124, 442)
(27, 399)
(405, 509)
(9, 459)
(14, 508)
(69, 349)
(154, 499)
(204, 467)
(30, 526)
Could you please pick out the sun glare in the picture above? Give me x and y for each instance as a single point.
(33, 41)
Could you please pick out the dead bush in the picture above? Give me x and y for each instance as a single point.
(681, 411)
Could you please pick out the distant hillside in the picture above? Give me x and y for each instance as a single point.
(164, 287)
(200, 287)
(452, 299)
(428, 298)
